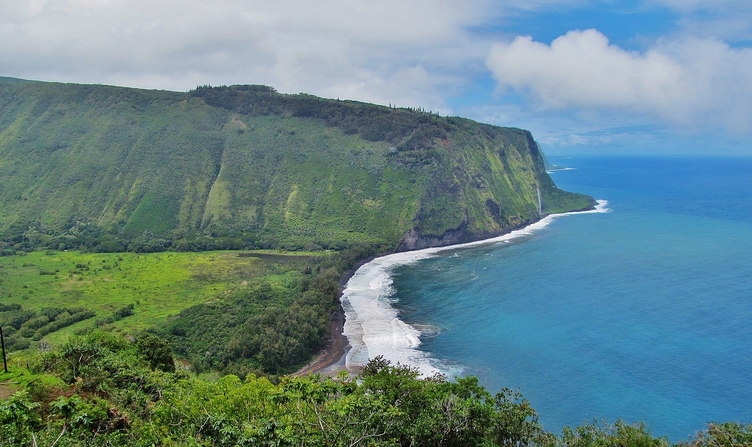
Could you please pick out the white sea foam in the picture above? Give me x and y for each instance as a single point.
(551, 171)
(372, 324)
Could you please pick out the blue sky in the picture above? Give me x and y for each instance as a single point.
(639, 76)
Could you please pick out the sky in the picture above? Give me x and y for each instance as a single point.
(584, 76)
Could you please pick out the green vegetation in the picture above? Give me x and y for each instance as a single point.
(155, 285)
(23, 326)
(108, 169)
(103, 390)
(147, 183)
(265, 328)
(243, 312)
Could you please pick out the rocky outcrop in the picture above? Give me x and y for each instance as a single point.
(413, 240)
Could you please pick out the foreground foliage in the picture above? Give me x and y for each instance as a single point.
(104, 390)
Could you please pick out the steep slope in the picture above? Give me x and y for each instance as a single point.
(114, 168)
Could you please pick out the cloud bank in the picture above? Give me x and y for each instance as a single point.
(382, 52)
(686, 82)
(435, 54)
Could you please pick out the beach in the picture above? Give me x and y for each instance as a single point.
(331, 360)
(366, 324)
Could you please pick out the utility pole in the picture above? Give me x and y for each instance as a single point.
(2, 341)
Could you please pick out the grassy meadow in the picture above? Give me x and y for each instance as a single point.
(158, 285)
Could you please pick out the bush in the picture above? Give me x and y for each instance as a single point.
(9, 307)
(123, 312)
(156, 351)
(36, 323)
(15, 318)
(65, 320)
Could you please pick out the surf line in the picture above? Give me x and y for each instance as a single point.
(372, 324)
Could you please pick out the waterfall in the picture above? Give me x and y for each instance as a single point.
(540, 206)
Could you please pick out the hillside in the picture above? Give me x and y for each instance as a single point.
(112, 169)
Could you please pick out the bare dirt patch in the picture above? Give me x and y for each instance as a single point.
(6, 391)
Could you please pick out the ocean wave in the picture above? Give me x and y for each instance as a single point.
(551, 171)
(372, 324)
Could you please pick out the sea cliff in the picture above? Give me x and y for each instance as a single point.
(114, 169)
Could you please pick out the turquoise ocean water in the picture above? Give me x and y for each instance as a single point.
(643, 312)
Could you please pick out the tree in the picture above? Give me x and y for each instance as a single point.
(156, 351)
(18, 419)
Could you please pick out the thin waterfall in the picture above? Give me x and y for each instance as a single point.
(540, 206)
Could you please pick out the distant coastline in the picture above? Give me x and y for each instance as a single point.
(338, 353)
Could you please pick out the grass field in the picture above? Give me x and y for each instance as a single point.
(158, 285)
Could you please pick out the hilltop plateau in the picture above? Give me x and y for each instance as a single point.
(113, 169)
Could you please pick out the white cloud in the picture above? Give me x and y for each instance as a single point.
(689, 82)
(403, 52)
(406, 52)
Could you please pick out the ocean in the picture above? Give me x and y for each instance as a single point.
(642, 311)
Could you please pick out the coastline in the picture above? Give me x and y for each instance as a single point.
(332, 359)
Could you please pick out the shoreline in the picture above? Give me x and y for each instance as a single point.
(331, 360)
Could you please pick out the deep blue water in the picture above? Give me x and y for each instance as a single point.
(643, 313)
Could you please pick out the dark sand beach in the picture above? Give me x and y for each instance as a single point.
(331, 360)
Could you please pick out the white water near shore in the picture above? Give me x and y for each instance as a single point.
(372, 324)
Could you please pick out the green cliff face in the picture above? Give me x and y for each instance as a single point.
(253, 167)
